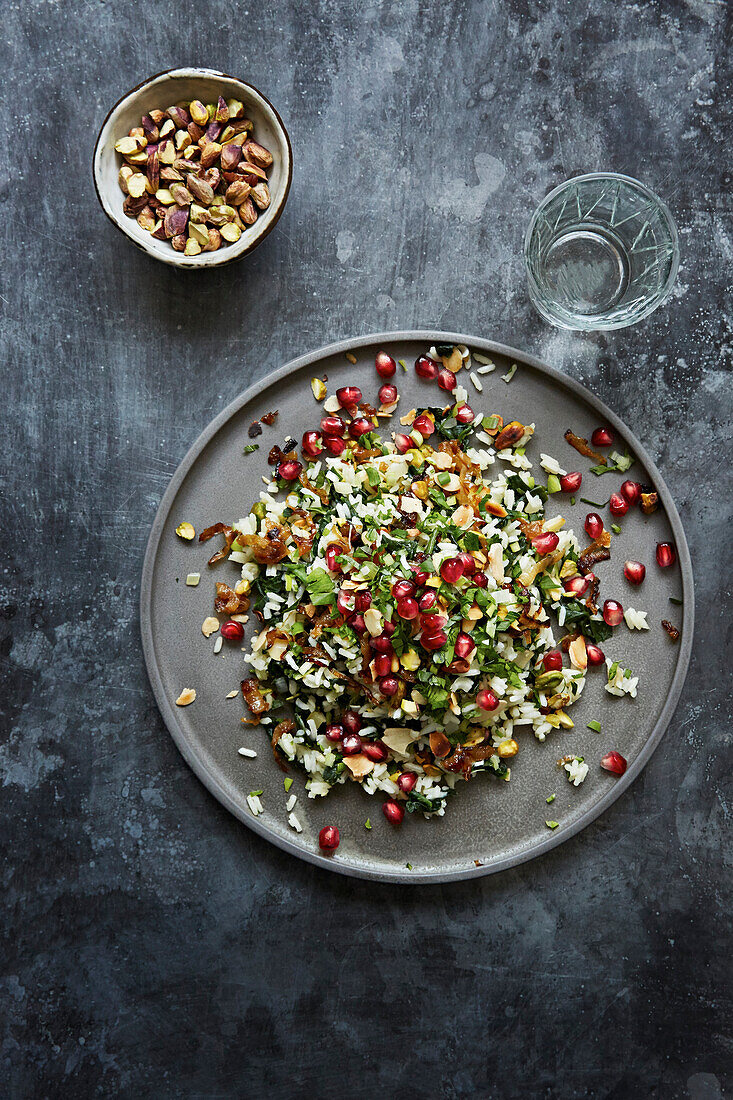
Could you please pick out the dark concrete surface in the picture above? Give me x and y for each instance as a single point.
(151, 945)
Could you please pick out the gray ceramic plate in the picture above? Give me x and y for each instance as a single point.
(490, 824)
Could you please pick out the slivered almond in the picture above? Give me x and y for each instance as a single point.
(187, 696)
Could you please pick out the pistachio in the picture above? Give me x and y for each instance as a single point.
(181, 194)
(195, 132)
(136, 185)
(261, 195)
(153, 171)
(230, 157)
(187, 696)
(166, 152)
(180, 116)
(128, 146)
(214, 240)
(183, 140)
(247, 212)
(192, 247)
(222, 111)
(230, 232)
(164, 196)
(150, 129)
(124, 174)
(253, 171)
(138, 158)
(198, 233)
(199, 113)
(176, 220)
(198, 213)
(219, 215)
(235, 109)
(178, 242)
(146, 219)
(212, 177)
(167, 128)
(201, 189)
(159, 231)
(192, 153)
(318, 386)
(132, 206)
(227, 134)
(258, 155)
(158, 117)
(213, 130)
(170, 174)
(237, 192)
(186, 531)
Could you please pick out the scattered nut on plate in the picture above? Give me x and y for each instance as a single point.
(187, 696)
(193, 175)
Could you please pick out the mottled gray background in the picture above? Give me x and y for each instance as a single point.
(151, 945)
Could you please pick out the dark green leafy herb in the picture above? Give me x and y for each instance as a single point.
(578, 616)
(417, 802)
(593, 503)
(320, 587)
(250, 448)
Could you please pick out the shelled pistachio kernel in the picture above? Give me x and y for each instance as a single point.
(186, 531)
(192, 579)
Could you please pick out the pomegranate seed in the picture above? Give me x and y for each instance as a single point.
(545, 544)
(570, 483)
(427, 600)
(603, 437)
(480, 580)
(552, 661)
(348, 395)
(334, 732)
(402, 443)
(363, 601)
(614, 762)
(576, 585)
(447, 380)
(329, 838)
(469, 563)
(464, 646)
(666, 555)
(407, 608)
(290, 471)
(382, 665)
(432, 623)
(424, 424)
(385, 365)
(375, 750)
(634, 572)
(381, 644)
(631, 491)
(426, 367)
(356, 622)
(618, 505)
(451, 570)
(389, 686)
(465, 415)
(345, 601)
(393, 812)
(613, 612)
(434, 641)
(593, 525)
(351, 721)
(332, 552)
(334, 444)
(333, 425)
(487, 699)
(311, 444)
(420, 574)
(232, 631)
(595, 654)
(406, 781)
(387, 394)
(351, 744)
(358, 427)
(400, 589)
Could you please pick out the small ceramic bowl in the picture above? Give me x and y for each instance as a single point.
(162, 91)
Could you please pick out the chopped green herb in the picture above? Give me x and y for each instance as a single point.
(551, 798)
(403, 364)
(510, 373)
(250, 448)
(373, 476)
(595, 726)
(616, 529)
(572, 500)
(288, 782)
(552, 824)
(367, 824)
(675, 600)
(408, 866)
(553, 484)
(255, 794)
(593, 503)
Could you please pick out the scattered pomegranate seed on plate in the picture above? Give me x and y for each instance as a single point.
(665, 554)
(329, 838)
(614, 762)
(603, 437)
(385, 365)
(634, 572)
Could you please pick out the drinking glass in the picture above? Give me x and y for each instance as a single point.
(601, 252)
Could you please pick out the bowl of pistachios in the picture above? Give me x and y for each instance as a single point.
(194, 166)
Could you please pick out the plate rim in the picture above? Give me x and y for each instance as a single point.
(198, 765)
